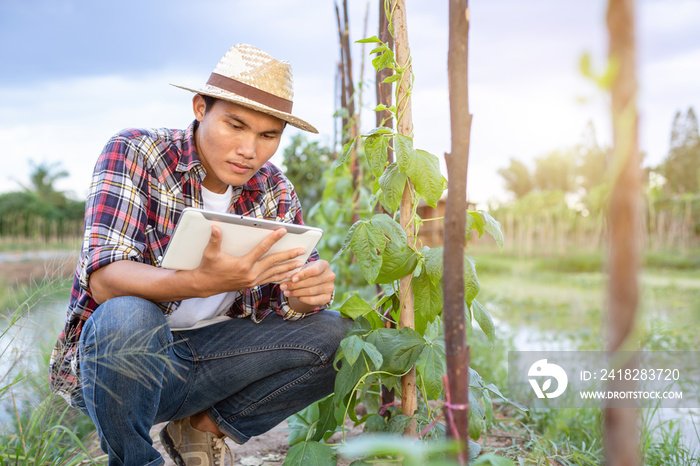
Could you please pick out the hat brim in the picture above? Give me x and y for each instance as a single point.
(236, 99)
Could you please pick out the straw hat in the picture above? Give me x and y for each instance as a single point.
(250, 77)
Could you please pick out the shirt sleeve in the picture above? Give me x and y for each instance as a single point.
(115, 216)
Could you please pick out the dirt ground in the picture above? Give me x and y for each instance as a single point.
(34, 267)
(269, 449)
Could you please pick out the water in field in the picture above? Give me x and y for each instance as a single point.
(558, 305)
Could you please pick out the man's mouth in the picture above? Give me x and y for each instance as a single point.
(239, 168)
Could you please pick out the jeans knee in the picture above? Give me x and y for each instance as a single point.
(128, 320)
(333, 328)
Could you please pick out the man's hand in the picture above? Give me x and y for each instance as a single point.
(219, 272)
(311, 287)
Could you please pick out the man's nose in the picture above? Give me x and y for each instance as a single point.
(247, 146)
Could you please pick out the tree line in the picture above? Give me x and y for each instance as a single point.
(39, 209)
(583, 168)
(565, 194)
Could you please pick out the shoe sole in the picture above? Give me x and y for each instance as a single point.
(169, 445)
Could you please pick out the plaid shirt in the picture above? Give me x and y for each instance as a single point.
(142, 181)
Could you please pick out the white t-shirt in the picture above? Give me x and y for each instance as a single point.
(199, 312)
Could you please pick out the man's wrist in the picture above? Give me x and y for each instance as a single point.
(300, 307)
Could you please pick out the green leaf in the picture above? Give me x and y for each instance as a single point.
(389, 227)
(393, 182)
(433, 331)
(354, 306)
(380, 107)
(379, 130)
(373, 353)
(347, 377)
(404, 151)
(424, 171)
(397, 424)
(433, 262)
(352, 348)
(483, 318)
(379, 49)
(368, 243)
(327, 423)
(383, 60)
(476, 427)
(474, 222)
(494, 389)
(376, 151)
(493, 227)
(347, 148)
(475, 379)
(488, 406)
(392, 78)
(369, 40)
(368, 446)
(401, 353)
(310, 454)
(471, 282)
(398, 260)
(301, 423)
(431, 366)
(475, 407)
(428, 300)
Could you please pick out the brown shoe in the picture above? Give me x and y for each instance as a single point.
(188, 446)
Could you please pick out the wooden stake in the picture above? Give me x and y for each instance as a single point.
(409, 397)
(455, 225)
(621, 431)
(384, 118)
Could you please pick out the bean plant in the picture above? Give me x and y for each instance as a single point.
(375, 351)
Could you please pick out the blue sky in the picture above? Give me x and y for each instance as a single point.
(75, 72)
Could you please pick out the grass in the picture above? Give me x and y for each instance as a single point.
(38, 244)
(558, 303)
(532, 294)
(38, 426)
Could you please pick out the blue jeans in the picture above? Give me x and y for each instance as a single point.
(248, 377)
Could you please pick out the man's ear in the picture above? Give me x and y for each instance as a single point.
(199, 107)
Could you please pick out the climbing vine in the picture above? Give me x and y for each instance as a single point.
(375, 352)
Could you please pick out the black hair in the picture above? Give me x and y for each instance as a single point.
(209, 102)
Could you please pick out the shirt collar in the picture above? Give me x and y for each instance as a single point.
(189, 160)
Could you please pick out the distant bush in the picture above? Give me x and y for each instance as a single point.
(575, 263)
(675, 261)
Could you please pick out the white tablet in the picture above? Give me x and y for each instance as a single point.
(240, 235)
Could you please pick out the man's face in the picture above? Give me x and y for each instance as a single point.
(233, 142)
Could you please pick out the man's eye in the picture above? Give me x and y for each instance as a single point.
(235, 126)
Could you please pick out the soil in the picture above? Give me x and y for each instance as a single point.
(269, 449)
(25, 268)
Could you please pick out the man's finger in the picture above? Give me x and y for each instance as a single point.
(214, 245)
(278, 272)
(264, 246)
(312, 269)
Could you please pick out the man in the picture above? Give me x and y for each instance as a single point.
(143, 344)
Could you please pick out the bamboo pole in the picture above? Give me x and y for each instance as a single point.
(384, 118)
(455, 225)
(621, 431)
(409, 397)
